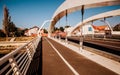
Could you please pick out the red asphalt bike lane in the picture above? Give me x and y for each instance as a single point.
(52, 64)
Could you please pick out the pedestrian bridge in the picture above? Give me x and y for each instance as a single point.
(21, 61)
(54, 56)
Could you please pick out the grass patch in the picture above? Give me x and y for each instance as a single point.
(4, 38)
(24, 38)
(17, 38)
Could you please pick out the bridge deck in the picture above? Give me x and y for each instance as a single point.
(52, 58)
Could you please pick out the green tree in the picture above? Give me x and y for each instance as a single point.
(9, 27)
(12, 29)
(61, 29)
(2, 34)
(45, 31)
(19, 32)
(6, 21)
(55, 28)
(67, 26)
(117, 27)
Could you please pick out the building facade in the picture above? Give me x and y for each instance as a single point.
(32, 31)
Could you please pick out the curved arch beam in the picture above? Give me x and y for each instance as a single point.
(96, 17)
(74, 5)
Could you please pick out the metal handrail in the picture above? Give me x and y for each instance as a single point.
(10, 64)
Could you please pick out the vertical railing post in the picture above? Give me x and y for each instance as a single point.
(34, 46)
(28, 53)
(14, 66)
(66, 39)
(81, 29)
(81, 40)
(93, 32)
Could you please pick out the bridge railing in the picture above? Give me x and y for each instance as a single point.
(17, 62)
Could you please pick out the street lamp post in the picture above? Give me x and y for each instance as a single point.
(39, 34)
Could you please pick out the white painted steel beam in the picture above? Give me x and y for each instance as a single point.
(96, 17)
(74, 5)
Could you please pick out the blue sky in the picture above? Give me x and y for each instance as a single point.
(29, 13)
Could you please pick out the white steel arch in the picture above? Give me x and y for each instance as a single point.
(96, 17)
(74, 5)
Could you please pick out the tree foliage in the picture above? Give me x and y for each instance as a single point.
(6, 21)
(55, 28)
(61, 29)
(2, 34)
(67, 26)
(117, 27)
(9, 27)
(12, 29)
(45, 31)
